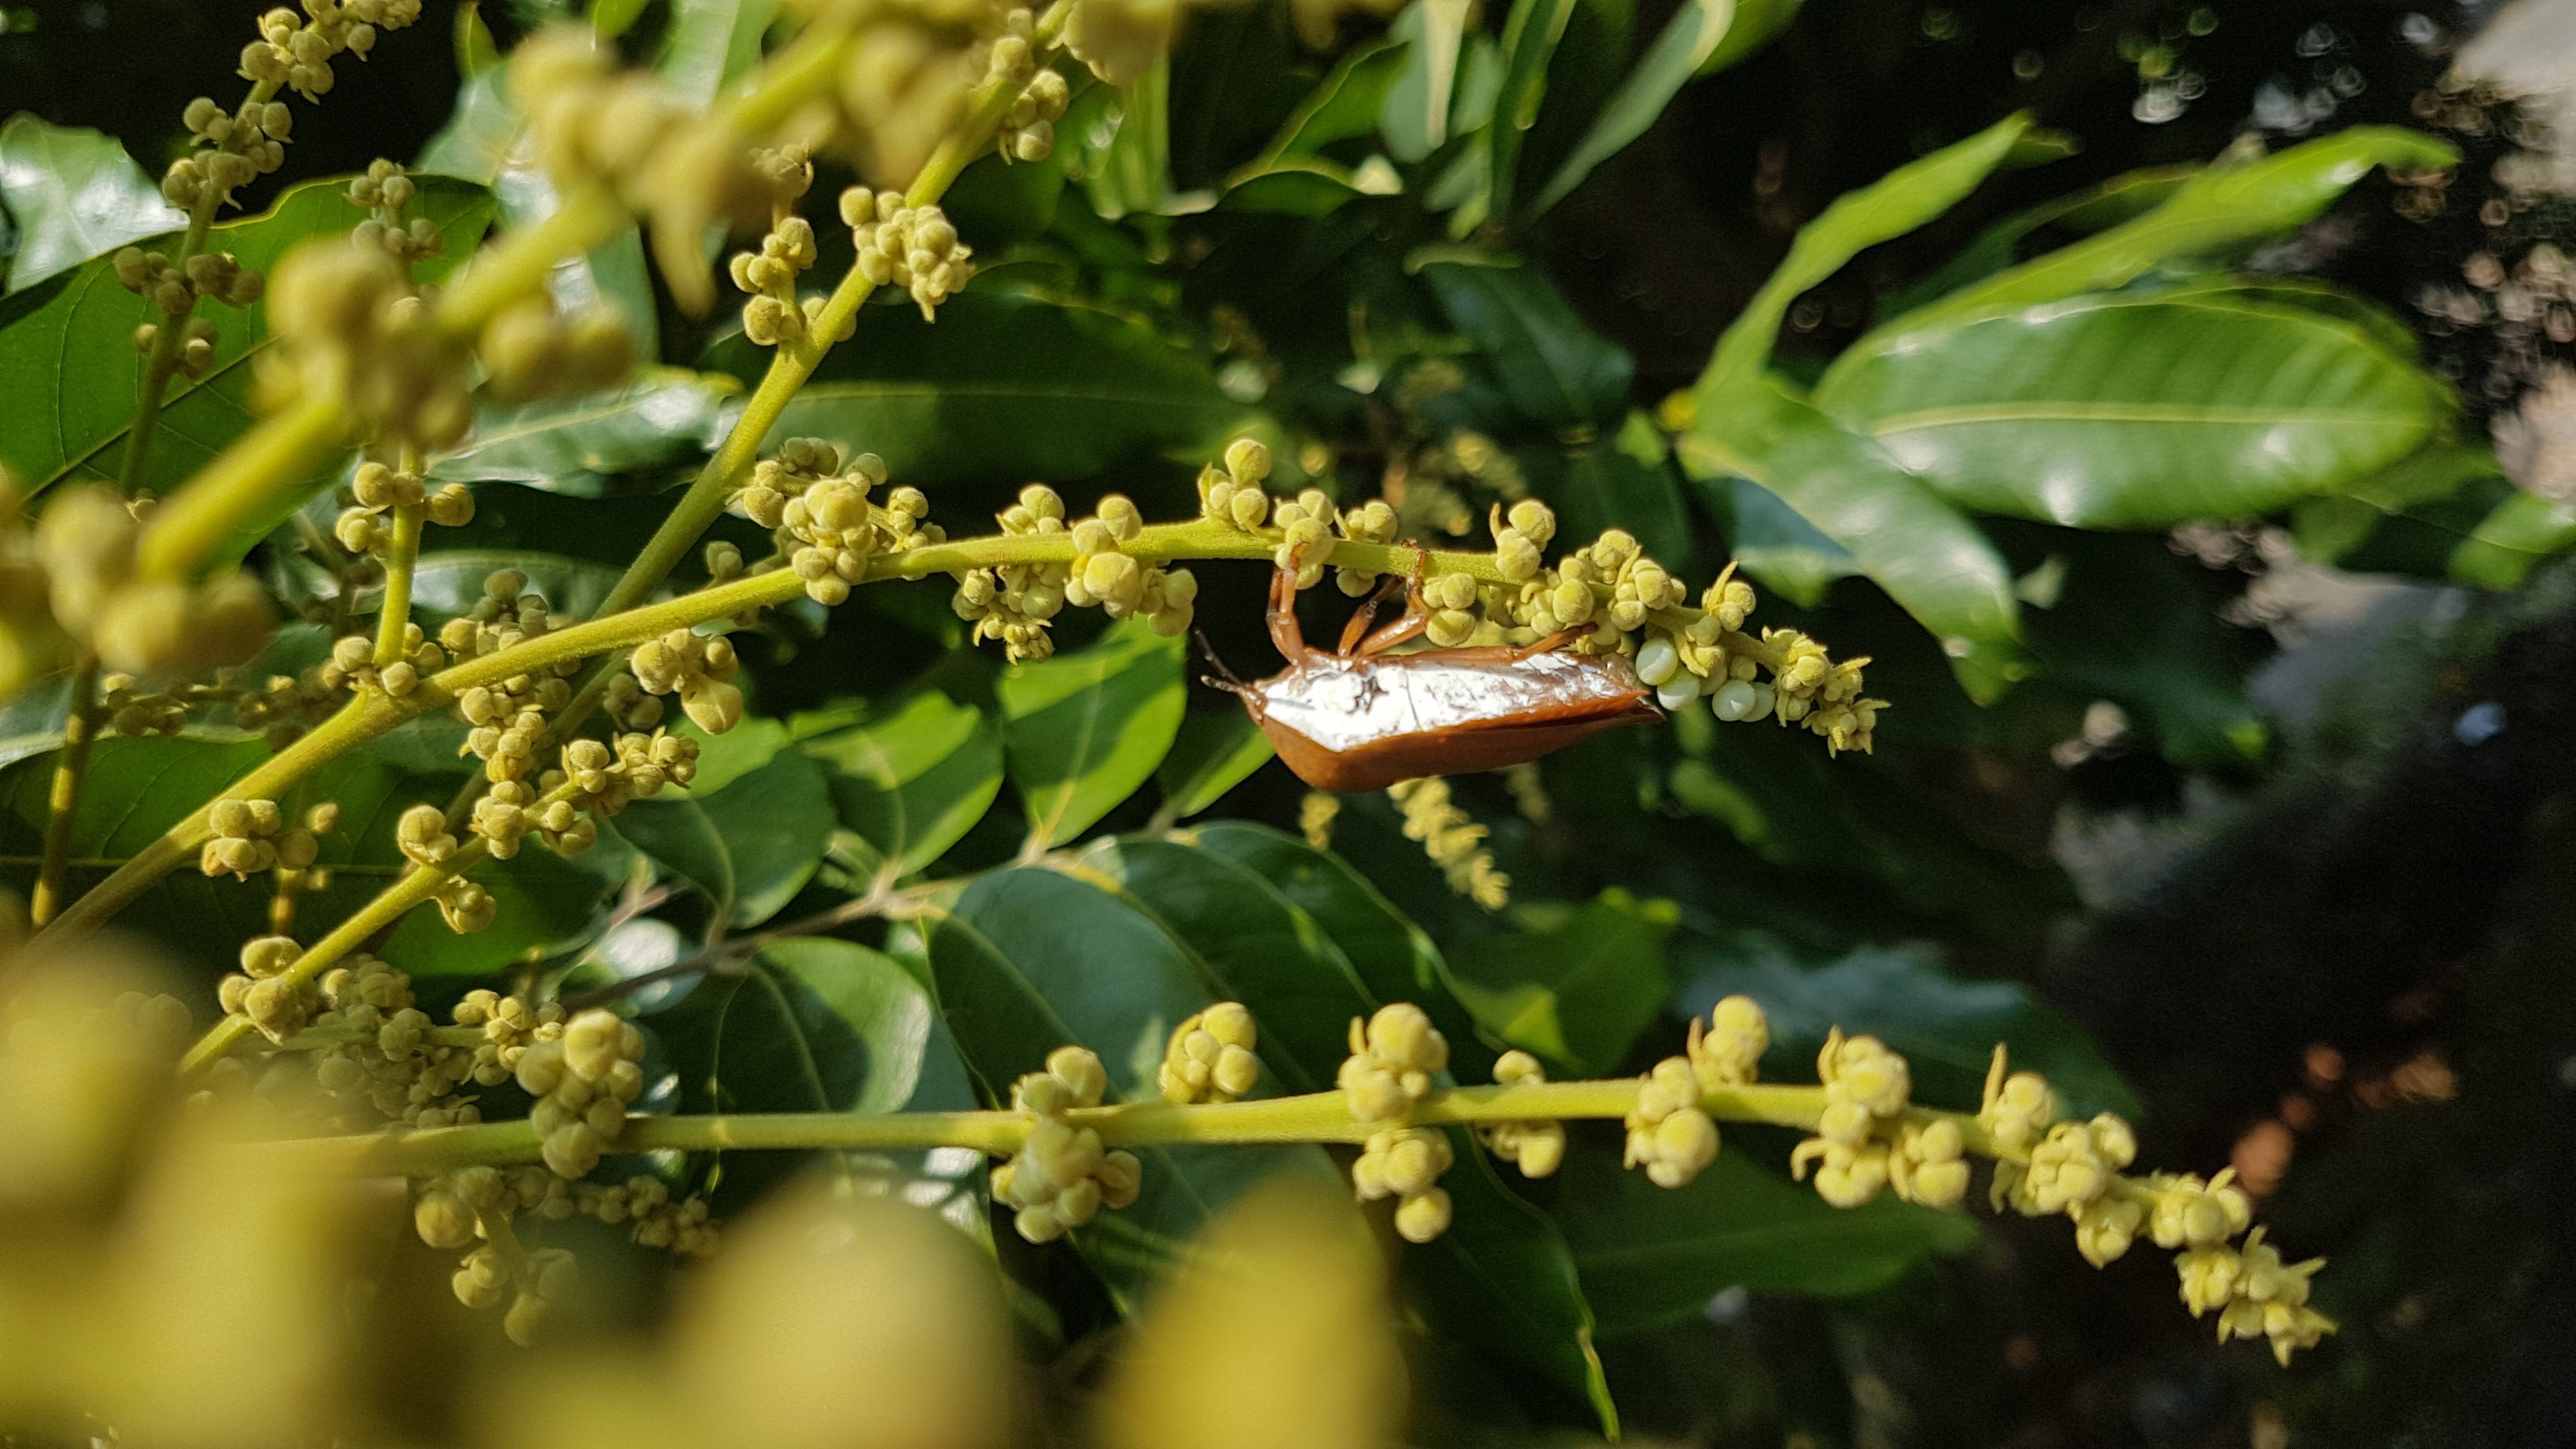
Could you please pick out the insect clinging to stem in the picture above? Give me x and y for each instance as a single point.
(1360, 718)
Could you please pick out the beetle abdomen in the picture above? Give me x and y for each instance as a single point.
(1351, 724)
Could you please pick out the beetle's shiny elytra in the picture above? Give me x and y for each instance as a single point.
(1359, 718)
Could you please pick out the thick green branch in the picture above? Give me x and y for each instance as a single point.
(80, 732)
(402, 554)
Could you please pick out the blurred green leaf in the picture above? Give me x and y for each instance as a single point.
(1032, 959)
(1531, 31)
(1126, 162)
(1687, 42)
(913, 783)
(475, 52)
(1342, 106)
(2123, 410)
(71, 193)
(2220, 207)
(1887, 208)
(1652, 1257)
(2107, 204)
(576, 445)
(1003, 388)
(1910, 542)
(1575, 984)
(748, 847)
(2523, 530)
(69, 369)
(709, 43)
(1945, 1028)
(1757, 24)
(1214, 751)
(1414, 119)
(1555, 370)
(1081, 732)
(1778, 549)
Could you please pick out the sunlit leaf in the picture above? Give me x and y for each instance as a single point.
(1081, 732)
(911, 784)
(72, 194)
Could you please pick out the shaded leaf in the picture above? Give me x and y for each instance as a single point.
(1081, 732)
(748, 847)
(1344, 104)
(1686, 43)
(1504, 1280)
(71, 193)
(1778, 549)
(71, 374)
(1653, 1257)
(1414, 119)
(1757, 24)
(1945, 1028)
(575, 445)
(2127, 411)
(1214, 751)
(913, 783)
(1531, 32)
(1555, 370)
(1126, 162)
(1575, 984)
(2522, 530)
(711, 42)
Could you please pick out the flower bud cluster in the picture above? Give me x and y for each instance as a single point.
(599, 779)
(582, 1081)
(354, 329)
(530, 350)
(912, 247)
(700, 668)
(1727, 1052)
(1209, 1058)
(376, 491)
(1668, 1133)
(132, 711)
(395, 1071)
(1120, 584)
(385, 190)
(85, 544)
(235, 147)
(1372, 522)
(174, 290)
(421, 834)
(1062, 1177)
(1537, 1146)
(1016, 602)
(265, 991)
(249, 837)
(478, 1202)
(824, 525)
(1865, 1085)
(774, 315)
(1233, 493)
(283, 707)
(1453, 840)
(593, 125)
(1405, 1163)
(2046, 1166)
(1027, 130)
(297, 53)
(507, 719)
(1393, 1060)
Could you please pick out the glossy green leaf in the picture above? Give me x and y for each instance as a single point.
(577, 445)
(1127, 153)
(1531, 32)
(1887, 208)
(1910, 541)
(725, 758)
(1945, 1028)
(1555, 370)
(1575, 984)
(711, 42)
(1778, 549)
(2522, 530)
(1652, 1257)
(2123, 410)
(2219, 208)
(71, 374)
(748, 847)
(1032, 959)
(1003, 388)
(1687, 41)
(1415, 118)
(1757, 24)
(2096, 208)
(1504, 1279)
(71, 194)
(1254, 945)
(913, 783)
(1214, 751)
(1344, 105)
(1081, 732)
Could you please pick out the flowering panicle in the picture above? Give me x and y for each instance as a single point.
(1453, 840)
(1865, 1085)
(1062, 1177)
(1537, 1146)
(1209, 1058)
(1393, 1059)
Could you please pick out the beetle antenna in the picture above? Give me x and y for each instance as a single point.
(1231, 684)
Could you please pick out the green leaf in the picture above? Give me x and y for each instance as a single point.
(1945, 1028)
(1127, 153)
(1214, 751)
(1307, 185)
(1555, 370)
(449, 581)
(1628, 483)
(1032, 959)
(2523, 530)
(2123, 197)
(1686, 43)
(1653, 1257)
(1531, 32)
(1003, 388)
(1342, 106)
(1910, 541)
(913, 783)
(1778, 549)
(1080, 732)
(710, 43)
(1757, 24)
(71, 374)
(2131, 625)
(2219, 208)
(1254, 946)
(2127, 411)
(577, 445)
(1887, 208)
(748, 847)
(1576, 984)
(1414, 120)
(1504, 1280)
(72, 194)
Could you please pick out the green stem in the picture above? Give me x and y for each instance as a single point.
(400, 557)
(517, 265)
(389, 906)
(80, 731)
(250, 479)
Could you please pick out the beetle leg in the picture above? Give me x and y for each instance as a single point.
(1417, 613)
(1551, 643)
(1367, 615)
(1284, 633)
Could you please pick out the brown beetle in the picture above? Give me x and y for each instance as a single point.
(1359, 718)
